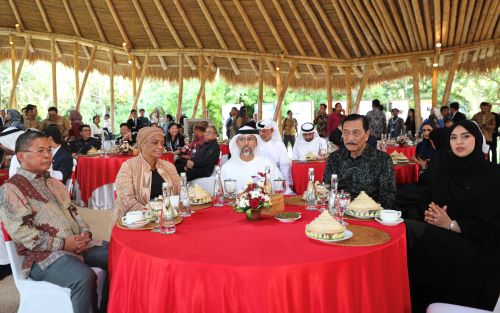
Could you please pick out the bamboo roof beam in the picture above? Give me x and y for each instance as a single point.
(394, 67)
(202, 86)
(488, 6)
(13, 64)
(76, 68)
(420, 24)
(491, 21)
(19, 20)
(254, 34)
(98, 26)
(453, 23)
(348, 89)
(434, 86)
(396, 42)
(290, 30)
(428, 25)
(330, 28)
(445, 24)
(75, 26)
(467, 21)
(378, 17)
(411, 17)
(147, 28)
(235, 34)
(460, 21)
(451, 77)
(399, 24)
(47, 24)
(437, 23)
(141, 81)
(201, 73)
(181, 88)
(122, 31)
(475, 20)
(173, 32)
(190, 28)
(54, 72)
(85, 77)
(365, 22)
(362, 86)
(408, 25)
(217, 33)
(416, 91)
(359, 35)
(376, 32)
(18, 72)
(283, 90)
(329, 100)
(345, 27)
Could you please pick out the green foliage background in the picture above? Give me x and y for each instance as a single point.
(35, 87)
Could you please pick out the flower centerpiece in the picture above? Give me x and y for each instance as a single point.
(126, 148)
(253, 198)
(402, 140)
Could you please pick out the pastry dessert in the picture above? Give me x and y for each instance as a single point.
(325, 227)
(398, 157)
(198, 195)
(310, 156)
(364, 206)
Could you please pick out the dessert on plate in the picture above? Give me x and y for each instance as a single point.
(325, 227)
(199, 195)
(311, 156)
(398, 157)
(364, 206)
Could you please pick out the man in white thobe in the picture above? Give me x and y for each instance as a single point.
(246, 160)
(273, 148)
(308, 141)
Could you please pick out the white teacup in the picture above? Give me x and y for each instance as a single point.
(133, 217)
(390, 215)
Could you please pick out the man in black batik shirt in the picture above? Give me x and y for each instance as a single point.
(361, 167)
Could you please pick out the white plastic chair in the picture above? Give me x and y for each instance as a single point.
(71, 179)
(42, 296)
(452, 308)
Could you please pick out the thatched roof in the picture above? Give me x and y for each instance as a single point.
(381, 36)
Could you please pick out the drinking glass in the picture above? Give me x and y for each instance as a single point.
(279, 186)
(230, 189)
(322, 153)
(323, 193)
(344, 201)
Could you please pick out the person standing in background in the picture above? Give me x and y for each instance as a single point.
(30, 120)
(289, 129)
(456, 115)
(95, 129)
(53, 118)
(144, 120)
(376, 120)
(494, 142)
(229, 122)
(321, 121)
(335, 118)
(107, 128)
(486, 122)
(410, 122)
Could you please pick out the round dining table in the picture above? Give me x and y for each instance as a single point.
(408, 151)
(217, 261)
(95, 178)
(4, 175)
(300, 171)
(406, 173)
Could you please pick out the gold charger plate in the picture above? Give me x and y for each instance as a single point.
(364, 236)
(198, 207)
(148, 226)
(294, 200)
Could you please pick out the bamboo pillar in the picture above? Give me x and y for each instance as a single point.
(278, 116)
(203, 95)
(112, 91)
(416, 91)
(76, 68)
(181, 87)
(362, 86)
(13, 65)
(134, 78)
(451, 77)
(261, 89)
(434, 86)
(329, 89)
(141, 82)
(18, 72)
(85, 77)
(348, 89)
(54, 72)
(202, 86)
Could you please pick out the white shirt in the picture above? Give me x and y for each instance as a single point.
(302, 147)
(276, 152)
(96, 131)
(242, 171)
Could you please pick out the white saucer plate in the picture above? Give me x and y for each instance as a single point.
(288, 220)
(347, 235)
(347, 212)
(136, 224)
(397, 222)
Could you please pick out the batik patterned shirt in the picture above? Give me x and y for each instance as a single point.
(377, 122)
(372, 172)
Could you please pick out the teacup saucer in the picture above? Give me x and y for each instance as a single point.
(397, 222)
(138, 224)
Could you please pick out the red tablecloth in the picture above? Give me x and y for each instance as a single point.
(219, 262)
(406, 174)
(409, 151)
(94, 172)
(4, 175)
(300, 171)
(224, 148)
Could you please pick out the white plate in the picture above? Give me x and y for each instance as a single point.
(136, 224)
(288, 220)
(347, 235)
(399, 221)
(347, 212)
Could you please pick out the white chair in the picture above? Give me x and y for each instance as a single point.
(71, 179)
(42, 296)
(451, 308)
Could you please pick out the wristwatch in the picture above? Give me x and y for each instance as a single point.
(452, 224)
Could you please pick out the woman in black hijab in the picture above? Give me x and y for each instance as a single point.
(454, 252)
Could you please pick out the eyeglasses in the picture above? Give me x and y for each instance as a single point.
(40, 152)
(247, 139)
(425, 130)
(209, 133)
